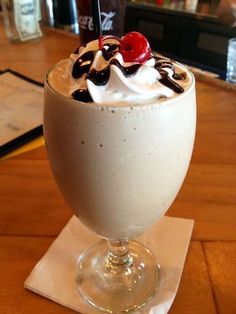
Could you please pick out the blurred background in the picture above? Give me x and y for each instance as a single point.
(195, 32)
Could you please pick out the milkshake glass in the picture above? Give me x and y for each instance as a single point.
(119, 166)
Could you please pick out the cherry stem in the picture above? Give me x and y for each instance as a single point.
(101, 39)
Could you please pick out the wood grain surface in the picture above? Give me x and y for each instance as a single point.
(32, 210)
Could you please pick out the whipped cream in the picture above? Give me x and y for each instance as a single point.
(102, 76)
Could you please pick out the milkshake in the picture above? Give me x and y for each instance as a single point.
(121, 160)
(119, 126)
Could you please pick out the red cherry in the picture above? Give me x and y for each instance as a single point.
(134, 47)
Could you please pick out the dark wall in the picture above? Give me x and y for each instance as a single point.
(190, 38)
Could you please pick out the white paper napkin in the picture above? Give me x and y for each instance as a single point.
(54, 275)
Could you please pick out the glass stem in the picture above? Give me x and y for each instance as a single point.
(119, 260)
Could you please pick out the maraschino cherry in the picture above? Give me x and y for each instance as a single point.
(133, 46)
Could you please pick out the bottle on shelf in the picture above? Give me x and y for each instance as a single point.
(65, 15)
(112, 18)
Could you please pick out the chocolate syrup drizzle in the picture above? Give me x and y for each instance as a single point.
(82, 95)
(109, 50)
(101, 77)
(83, 65)
(160, 64)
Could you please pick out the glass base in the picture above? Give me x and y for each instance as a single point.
(116, 285)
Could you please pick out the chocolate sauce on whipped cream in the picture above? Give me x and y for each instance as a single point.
(167, 81)
(82, 95)
(127, 71)
(83, 66)
(160, 64)
(101, 77)
(109, 50)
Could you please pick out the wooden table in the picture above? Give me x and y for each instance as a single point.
(32, 211)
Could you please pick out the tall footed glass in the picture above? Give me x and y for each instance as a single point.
(119, 167)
